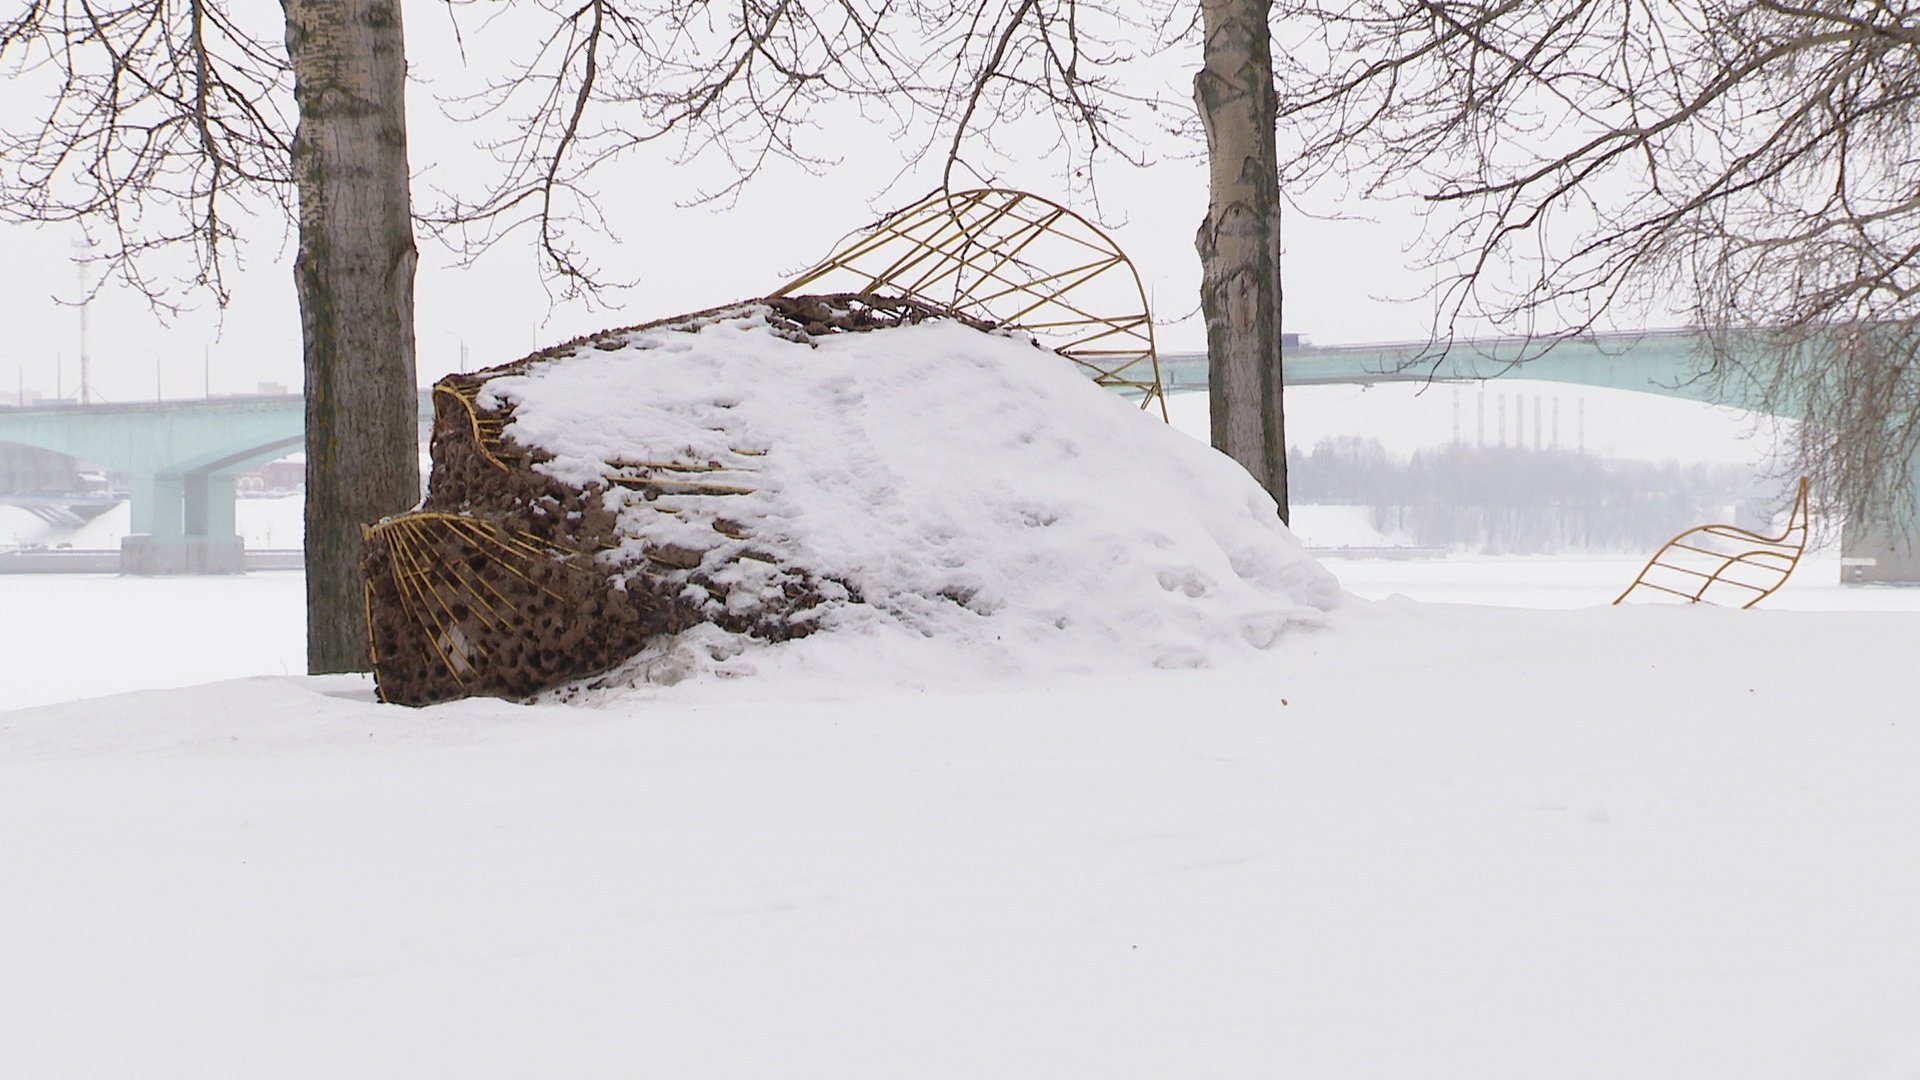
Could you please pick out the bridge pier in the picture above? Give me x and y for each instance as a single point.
(143, 553)
(180, 458)
(155, 504)
(1881, 553)
(182, 523)
(207, 504)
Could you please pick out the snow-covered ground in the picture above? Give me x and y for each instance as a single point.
(1428, 840)
(85, 635)
(1424, 839)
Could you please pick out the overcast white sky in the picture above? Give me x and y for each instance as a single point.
(683, 258)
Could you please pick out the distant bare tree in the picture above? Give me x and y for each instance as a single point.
(1747, 165)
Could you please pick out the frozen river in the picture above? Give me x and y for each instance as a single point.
(71, 636)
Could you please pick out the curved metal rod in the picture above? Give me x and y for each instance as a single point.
(1788, 546)
(480, 440)
(950, 236)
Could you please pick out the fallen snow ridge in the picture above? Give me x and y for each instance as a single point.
(971, 489)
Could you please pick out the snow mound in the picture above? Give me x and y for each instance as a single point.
(950, 485)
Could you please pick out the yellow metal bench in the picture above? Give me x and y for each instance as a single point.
(1724, 564)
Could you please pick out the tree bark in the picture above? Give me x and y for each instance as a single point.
(354, 274)
(1239, 241)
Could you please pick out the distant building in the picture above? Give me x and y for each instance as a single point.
(274, 478)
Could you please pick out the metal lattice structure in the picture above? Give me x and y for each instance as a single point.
(1016, 261)
(1724, 563)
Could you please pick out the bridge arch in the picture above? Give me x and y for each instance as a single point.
(180, 459)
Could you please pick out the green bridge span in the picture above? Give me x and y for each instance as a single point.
(181, 457)
(1663, 362)
(1668, 363)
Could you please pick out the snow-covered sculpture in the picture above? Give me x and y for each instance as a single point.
(851, 464)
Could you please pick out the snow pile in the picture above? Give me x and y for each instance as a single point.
(945, 484)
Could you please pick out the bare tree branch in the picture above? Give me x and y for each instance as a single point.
(1749, 166)
(752, 81)
(162, 123)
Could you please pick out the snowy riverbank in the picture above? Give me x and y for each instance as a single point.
(1429, 840)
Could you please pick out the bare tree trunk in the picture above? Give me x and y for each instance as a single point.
(1239, 241)
(354, 274)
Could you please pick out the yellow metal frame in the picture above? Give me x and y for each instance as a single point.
(1017, 261)
(1691, 564)
(487, 433)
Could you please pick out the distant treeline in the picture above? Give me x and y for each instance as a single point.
(1514, 500)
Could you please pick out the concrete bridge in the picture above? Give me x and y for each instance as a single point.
(1663, 362)
(181, 457)
(1667, 363)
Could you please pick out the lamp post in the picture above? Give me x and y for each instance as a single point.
(83, 250)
